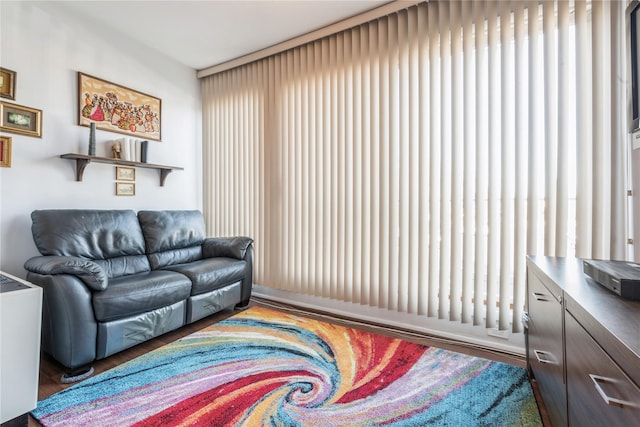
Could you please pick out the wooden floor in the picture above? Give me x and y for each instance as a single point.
(51, 371)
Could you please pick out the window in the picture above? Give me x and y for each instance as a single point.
(411, 163)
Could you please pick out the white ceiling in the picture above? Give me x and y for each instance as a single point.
(204, 33)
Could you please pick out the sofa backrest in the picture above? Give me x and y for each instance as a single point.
(172, 237)
(111, 238)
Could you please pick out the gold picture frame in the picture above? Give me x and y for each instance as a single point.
(125, 173)
(19, 119)
(5, 151)
(7, 83)
(116, 108)
(125, 189)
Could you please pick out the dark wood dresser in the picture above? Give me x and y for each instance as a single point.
(583, 346)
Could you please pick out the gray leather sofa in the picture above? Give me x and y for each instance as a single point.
(112, 279)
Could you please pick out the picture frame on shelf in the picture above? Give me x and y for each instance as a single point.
(125, 173)
(7, 83)
(19, 119)
(125, 189)
(116, 108)
(5, 151)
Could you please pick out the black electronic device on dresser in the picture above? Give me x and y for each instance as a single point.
(620, 277)
(583, 346)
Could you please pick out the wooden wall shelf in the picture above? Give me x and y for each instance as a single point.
(82, 160)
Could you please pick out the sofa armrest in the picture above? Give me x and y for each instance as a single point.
(231, 247)
(86, 270)
(69, 327)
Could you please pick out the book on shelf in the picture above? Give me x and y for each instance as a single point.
(137, 148)
(134, 150)
(125, 152)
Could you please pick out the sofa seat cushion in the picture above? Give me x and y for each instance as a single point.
(211, 273)
(138, 293)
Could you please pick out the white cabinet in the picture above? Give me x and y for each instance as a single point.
(20, 319)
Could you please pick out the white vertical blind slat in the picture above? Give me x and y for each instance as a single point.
(393, 164)
(385, 200)
(341, 166)
(333, 155)
(551, 126)
(424, 132)
(507, 182)
(404, 171)
(366, 165)
(434, 161)
(303, 141)
(375, 89)
(347, 167)
(291, 178)
(534, 128)
(457, 162)
(469, 167)
(297, 145)
(357, 219)
(445, 162)
(601, 132)
(493, 253)
(312, 210)
(413, 256)
(563, 133)
(482, 166)
(521, 151)
(325, 178)
(584, 150)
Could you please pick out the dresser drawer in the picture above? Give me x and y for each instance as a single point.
(599, 393)
(545, 353)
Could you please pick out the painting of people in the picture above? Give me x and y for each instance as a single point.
(119, 109)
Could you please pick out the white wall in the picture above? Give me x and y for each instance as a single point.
(47, 46)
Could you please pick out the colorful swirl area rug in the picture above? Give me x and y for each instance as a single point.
(263, 367)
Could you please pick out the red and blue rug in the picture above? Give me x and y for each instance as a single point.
(267, 368)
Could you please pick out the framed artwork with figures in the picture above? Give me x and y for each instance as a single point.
(116, 108)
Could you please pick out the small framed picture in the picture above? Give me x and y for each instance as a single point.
(125, 189)
(7, 83)
(5, 151)
(125, 174)
(19, 119)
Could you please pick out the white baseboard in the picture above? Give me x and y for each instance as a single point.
(467, 333)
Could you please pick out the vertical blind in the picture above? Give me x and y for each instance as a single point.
(411, 163)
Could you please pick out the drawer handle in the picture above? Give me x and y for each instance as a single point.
(612, 401)
(539, 296)
(545, 357)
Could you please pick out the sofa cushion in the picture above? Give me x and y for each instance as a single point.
(90, 234)
(124, 265)
(166, 230)
(176, 256)
(137, 293)
(212, 273)
(168, 233)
